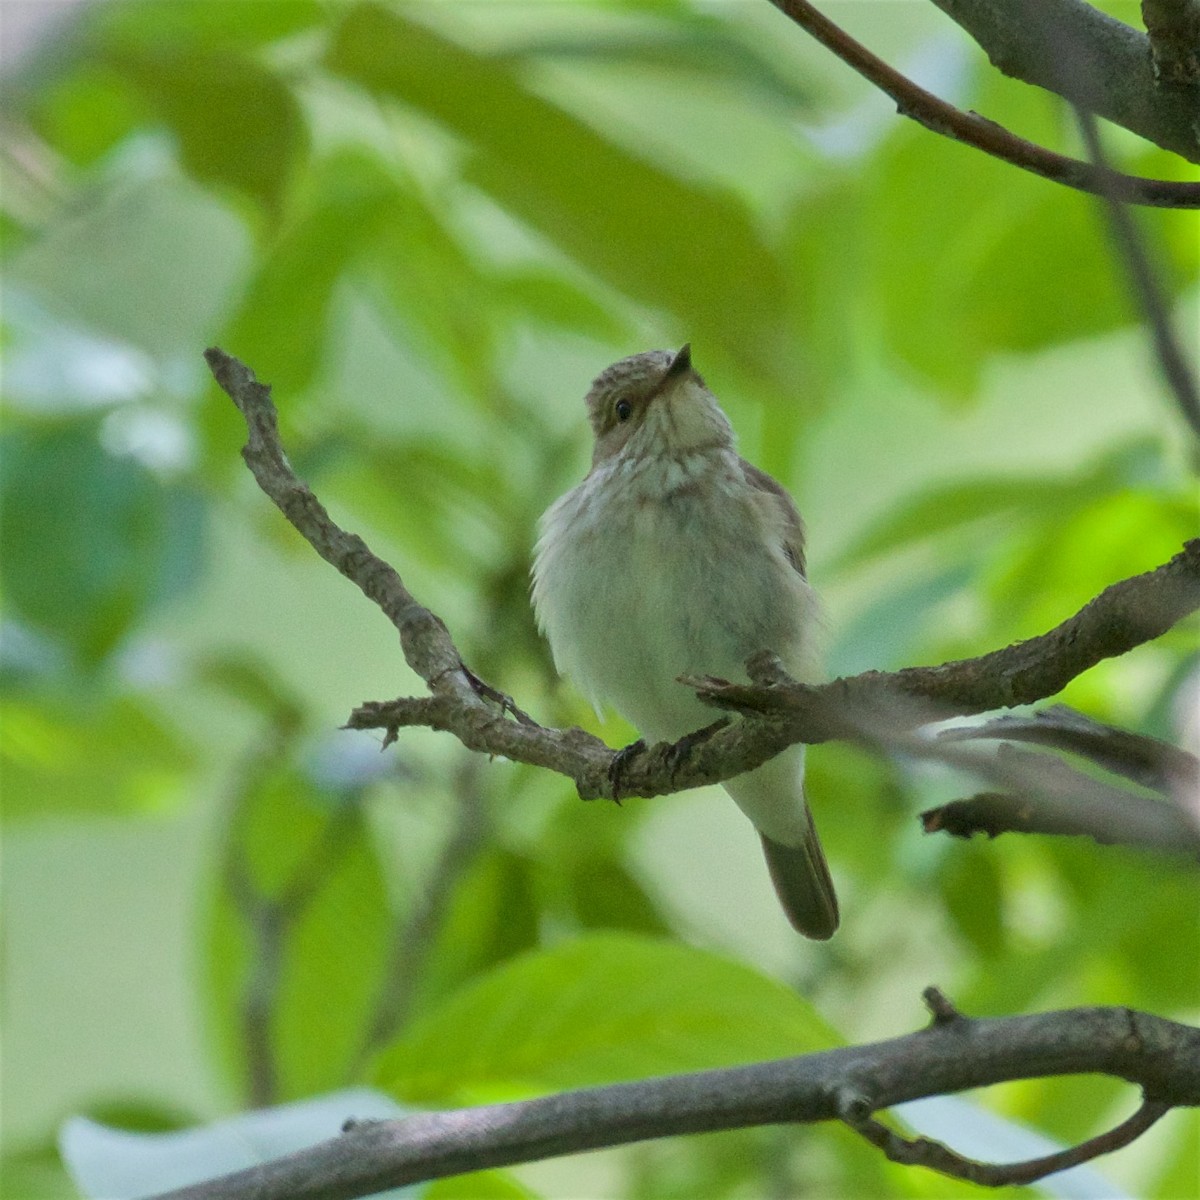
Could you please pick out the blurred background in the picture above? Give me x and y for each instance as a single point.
(428, 226)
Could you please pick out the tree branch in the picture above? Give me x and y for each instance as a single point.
(1173, 27)
(953, 1054)
(1109, 70)
(973, 130)
(1148, 292)
(922, 1152)
(874, 707)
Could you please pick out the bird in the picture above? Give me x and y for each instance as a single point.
(676, 557)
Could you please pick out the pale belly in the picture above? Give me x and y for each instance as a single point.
(640, 594)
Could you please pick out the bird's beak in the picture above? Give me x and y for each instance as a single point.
(681, 364)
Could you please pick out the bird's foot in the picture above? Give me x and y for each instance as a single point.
(621, 760)
(681, 751)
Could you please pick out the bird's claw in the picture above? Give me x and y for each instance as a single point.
(620, 761)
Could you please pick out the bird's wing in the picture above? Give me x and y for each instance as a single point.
(791, 524)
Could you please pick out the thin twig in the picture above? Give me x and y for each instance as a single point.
(973, 130)
(924, 1152)
(1147, 288)
(271, 918)
(1145, 760)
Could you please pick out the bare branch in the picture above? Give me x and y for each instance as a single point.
(922, 1152)
(872, 707)
(1148, 761)
(270, 918)
(1147, 289)
(1173, 27)
(953, 1054)
(1110, 68)
(973, 130)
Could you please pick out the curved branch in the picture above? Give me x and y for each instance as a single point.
(973, 130)
(953, 1054)
(874, 707)
(1072, 49)
(922, 1152)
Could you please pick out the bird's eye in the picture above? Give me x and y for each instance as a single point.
(624, 410)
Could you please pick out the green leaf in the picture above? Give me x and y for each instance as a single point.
(639, 228)
(1010, 262)
(37, 1173)
(281, 326)
(597, 1010)
(334, 935)
(556, 301)
(478, 1185)
(237, 123)
(1015, 498)
(90, 542)
(63, 756)
(950, 506)
(689, 42)
(493, 916)
(247, 23)
(974, 896)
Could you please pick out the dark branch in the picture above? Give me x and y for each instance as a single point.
(1148, 291)
(951, 1055)
(1064, 808)
(922, 1152)
(1173, 27)
(873, 707)
(1087, 57)
(973, 130)
(1147, 761)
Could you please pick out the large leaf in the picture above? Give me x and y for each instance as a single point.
(972, 256)
(597, 1010)
(237, 123)
(90, 542)
(659, 240)
(281, 325)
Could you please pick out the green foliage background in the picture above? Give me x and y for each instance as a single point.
(428, 226)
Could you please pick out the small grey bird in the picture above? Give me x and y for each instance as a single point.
(677, 557)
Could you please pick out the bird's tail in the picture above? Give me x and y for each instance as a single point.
(772, 796)
(803, 883)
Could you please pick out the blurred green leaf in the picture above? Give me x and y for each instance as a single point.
(1181, 1167)
(478, 1185)
(281, 325)
(944, 507)
(313, 854)
(36, 1174)
(560, 302)
(247, 23)
(640, 229)
(237, 123)
(973, 892)
(111, 756)
(1000, 267)
(90, 542)
(493, 916)
(597, 1010)
(88, 112)
(254, 683)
